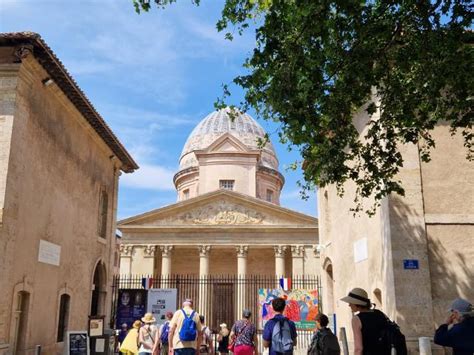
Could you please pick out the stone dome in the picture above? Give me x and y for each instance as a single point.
(217, 123)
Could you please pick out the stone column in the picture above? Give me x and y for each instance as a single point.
(166, 253)
(149, 259)
(297, 255)
(203, 304)
(126, 251)
(242, 251)
(280, 260)
(204, 259)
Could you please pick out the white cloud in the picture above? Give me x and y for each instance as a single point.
(149, 177)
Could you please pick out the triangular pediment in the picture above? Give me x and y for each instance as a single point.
(226, 143)
(221, 208)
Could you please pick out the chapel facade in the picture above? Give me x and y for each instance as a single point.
(228, 218)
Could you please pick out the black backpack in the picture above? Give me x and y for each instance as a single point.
(391, 337)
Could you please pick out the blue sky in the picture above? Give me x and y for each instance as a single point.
(152, 77)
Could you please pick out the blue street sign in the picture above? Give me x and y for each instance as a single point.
(410, 264)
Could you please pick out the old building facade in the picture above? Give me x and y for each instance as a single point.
(228, 219)
(417, 253)
(60, 165)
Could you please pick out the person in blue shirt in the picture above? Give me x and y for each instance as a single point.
(278, 305)
(458, 330)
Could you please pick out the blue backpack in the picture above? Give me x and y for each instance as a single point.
(188, 329)
(281, 337)
(164, 333)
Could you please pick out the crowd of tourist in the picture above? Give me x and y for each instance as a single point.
(186, 333)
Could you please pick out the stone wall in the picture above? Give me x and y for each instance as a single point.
(57, 168)
(433, 223)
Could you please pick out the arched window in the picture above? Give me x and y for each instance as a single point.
(103, 214)
(99, 290)
(63, 316)
(21, 327)
(329, 285)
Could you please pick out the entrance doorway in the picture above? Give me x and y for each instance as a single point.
(98, 291)
(21, 322)
(223, 304)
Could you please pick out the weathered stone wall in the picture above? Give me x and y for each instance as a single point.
(433, 223)
(57, 168)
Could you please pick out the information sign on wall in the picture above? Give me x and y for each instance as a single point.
(49, 253)
(77, 343)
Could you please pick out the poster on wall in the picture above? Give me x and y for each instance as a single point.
(131, 305)
(77, 343)
(302, 306)
(160, 301)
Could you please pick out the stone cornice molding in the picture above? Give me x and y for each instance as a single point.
(166, 250)
(204, 250)
(242, 251)
(149, 250)
(126, 250)
(280, 250)
(297, 251)
(317, 250)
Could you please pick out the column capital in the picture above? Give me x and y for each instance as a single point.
(126, 249)
(242, 251)
(166, 250)
(297, 251)
(149, 250)
(204, 250)
(279, 250)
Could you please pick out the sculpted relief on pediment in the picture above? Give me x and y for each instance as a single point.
(222, 215)
(218, 213)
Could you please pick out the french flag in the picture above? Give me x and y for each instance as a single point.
(285, 283)
(147, 283)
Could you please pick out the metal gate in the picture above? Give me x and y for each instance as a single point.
(220, 298)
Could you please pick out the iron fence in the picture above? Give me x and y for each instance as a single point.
(220, 298)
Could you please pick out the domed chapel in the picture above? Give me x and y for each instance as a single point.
(228, 219)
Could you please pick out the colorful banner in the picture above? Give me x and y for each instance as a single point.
(301, 306)
(131, 305)
(160, 301)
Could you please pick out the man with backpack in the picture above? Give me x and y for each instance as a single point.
(163, 334)
(324, 342)
(185, 331)
(279, 334)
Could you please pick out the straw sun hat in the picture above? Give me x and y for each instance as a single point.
(148, 318)
(357, 296)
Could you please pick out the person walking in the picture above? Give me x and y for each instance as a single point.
(324, 342)
(147, 335)
(244, 335)
(122, 333)
(130, 343)
(223, 339)
(161, 342)
(458, 330)
(279, 333)
(366, 323)
(206, 347)
(185, 330)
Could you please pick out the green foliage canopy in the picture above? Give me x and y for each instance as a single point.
(316, 63)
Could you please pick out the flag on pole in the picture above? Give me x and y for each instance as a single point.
(147, 283)
(285, 283)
